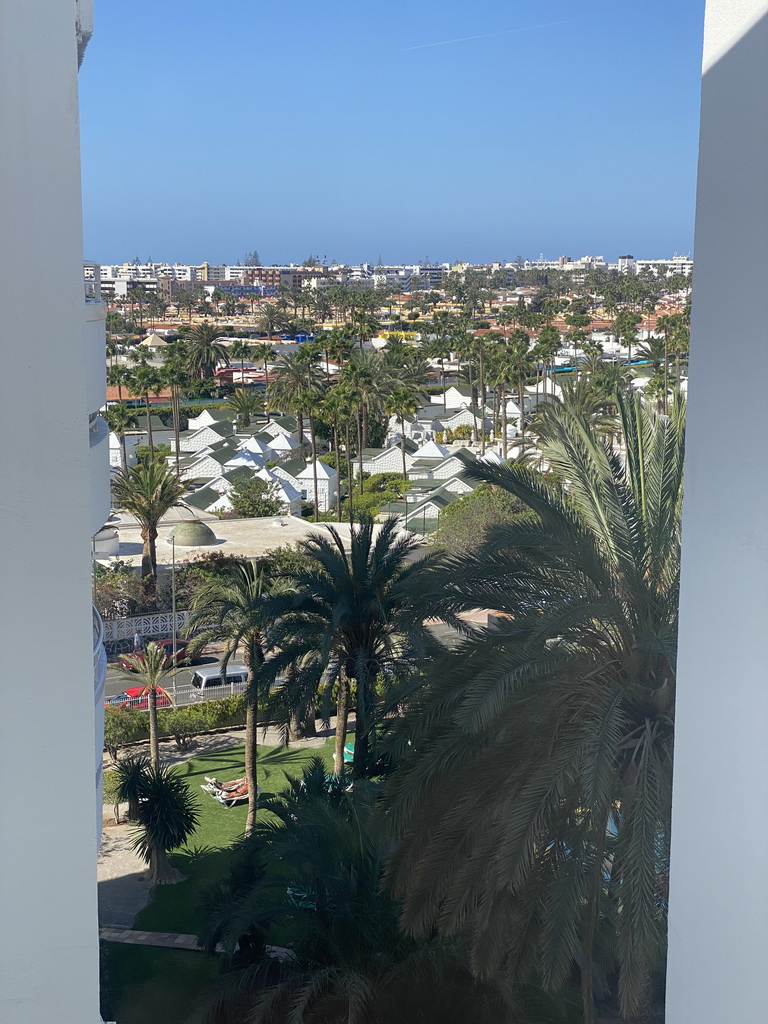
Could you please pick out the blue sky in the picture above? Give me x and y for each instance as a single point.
(410, 130)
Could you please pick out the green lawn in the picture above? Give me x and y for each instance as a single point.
(175, 908)
(149, 985)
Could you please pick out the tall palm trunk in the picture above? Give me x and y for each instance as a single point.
(338, 465)
(314, 461)
(124, 450)
(349, 476)
(255, 657)
(402, 449)
(149, 423)
(362, 737)
(472, 400)
(342, 717)
(521, 400)
(482, 399)
(504, 441)
(360, 445)
(154, 743)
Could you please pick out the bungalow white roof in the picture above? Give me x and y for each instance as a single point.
(207, 419)
(323, 472)
(246, 458)
(282, 489)
(283, 443)
(492, 457)
(252, 444)
(432, 450)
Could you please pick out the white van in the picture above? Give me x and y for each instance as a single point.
(209, 683)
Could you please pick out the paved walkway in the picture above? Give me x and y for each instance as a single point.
(169, 940)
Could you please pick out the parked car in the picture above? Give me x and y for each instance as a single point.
(182, 658)
(136, 697)
(208, 681)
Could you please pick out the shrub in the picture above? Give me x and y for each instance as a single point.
(463, 432)
(123, 726)
(254, 498)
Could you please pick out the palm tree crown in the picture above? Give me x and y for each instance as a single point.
(560, 716)
(147, 492)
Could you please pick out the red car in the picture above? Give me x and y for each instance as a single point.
(181, 654)
(137, 697)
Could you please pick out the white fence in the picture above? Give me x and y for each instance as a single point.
(147, 626)
(184, 694)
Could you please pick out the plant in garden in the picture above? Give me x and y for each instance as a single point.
(550, 845)
(129, 777)
(151, 669)
(314, 869)
(352, 618)
(232, 609)
(254, 498)
(147, 491)
(167, 817)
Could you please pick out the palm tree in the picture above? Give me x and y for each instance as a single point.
(146, 492)
(351, 617)
(119, 419)
(521, 366)
(370, 379)
(556, 829)
(241, 350)
(245, 404)
(205, 351)
(262, 353)
(365, 326)
(314, 869)
(174, 376)
(143, 380)
(118, 377)
(151, 669)
(340, 405)
(130, 774)
(232, 609)
(167, 818)
(401, 402)
(269, 319)
(293, 377)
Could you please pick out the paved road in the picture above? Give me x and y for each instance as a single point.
(117, 681)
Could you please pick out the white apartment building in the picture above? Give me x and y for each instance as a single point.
(57, 498)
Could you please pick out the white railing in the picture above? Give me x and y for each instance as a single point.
(159, 624)
(185, 694)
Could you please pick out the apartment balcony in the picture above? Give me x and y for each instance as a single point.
(98, 443)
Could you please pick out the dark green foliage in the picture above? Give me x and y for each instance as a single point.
(464, 525)
(533, 803)
(311, 875)
(167, 816)
(253, 499)
(159, 454)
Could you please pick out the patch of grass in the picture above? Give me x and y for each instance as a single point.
(150, 985)
(176, 908)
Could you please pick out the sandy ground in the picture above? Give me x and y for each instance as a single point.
(123, 886)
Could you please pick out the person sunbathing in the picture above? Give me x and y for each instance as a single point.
(226, 787)
(233, 794)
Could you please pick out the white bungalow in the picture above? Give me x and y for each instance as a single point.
(208, 434)
(327, 485)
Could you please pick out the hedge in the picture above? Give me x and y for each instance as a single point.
(123, 726)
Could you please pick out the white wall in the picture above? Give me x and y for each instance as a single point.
(48, 937)
(718, 920)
